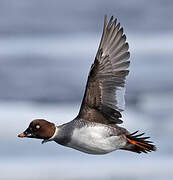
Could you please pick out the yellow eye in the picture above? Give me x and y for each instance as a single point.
(37, 126)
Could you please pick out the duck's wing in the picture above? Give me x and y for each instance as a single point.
(104, 94)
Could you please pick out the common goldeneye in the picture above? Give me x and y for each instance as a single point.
(95, 130)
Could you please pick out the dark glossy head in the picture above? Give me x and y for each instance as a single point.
(40, 129)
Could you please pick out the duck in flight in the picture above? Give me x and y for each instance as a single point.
(95, 130)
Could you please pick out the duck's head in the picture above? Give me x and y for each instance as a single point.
(39, 129)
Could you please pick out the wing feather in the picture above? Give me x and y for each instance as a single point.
(104, 94)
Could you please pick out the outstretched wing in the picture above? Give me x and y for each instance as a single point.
(104, 94)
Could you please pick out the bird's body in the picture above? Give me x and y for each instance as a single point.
(88, 137)
(95, 130)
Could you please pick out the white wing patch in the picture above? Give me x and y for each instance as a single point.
(120, 94)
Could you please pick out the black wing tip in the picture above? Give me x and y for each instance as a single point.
(112, 20)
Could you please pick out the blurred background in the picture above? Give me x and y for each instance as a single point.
(46, 49)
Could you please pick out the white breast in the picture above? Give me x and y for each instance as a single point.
(95, 140)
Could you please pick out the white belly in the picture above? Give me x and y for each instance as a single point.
(95, 140)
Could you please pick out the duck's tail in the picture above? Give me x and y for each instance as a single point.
(138, 144)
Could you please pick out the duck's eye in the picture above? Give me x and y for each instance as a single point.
(37, 126)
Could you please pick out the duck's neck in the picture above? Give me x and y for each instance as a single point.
(53, 137)
(57, 129)
(63, 134)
